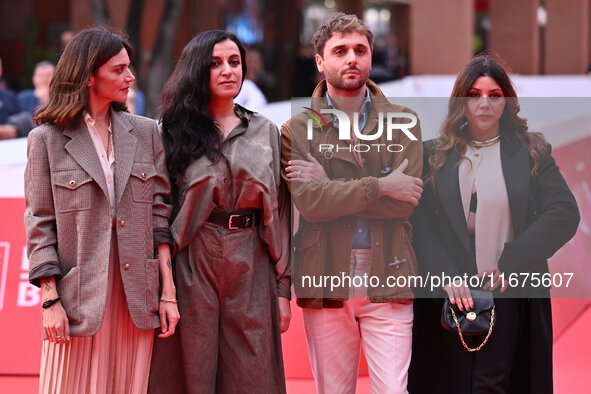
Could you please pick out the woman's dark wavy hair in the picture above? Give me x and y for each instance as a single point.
(188, 129)
(68, 90)
(455, 133)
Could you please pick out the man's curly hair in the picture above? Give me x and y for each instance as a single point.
(339, 22)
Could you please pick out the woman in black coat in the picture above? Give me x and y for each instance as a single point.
(494, 206)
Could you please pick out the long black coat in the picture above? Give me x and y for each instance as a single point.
(544, 216)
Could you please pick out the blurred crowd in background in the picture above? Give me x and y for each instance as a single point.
(412, 37)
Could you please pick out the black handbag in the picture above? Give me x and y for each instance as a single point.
(477, 321)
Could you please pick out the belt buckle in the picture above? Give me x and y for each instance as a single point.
(230, 227)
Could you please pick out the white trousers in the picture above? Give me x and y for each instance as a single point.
(334, 337)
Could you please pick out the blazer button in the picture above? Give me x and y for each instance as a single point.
(377, 244)
(122, 223)
(143, 175)
(72, 183)
(126, 266)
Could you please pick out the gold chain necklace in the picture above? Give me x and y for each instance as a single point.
(484, 144)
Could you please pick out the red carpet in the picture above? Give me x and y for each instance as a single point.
(572, 357)
(572, 366)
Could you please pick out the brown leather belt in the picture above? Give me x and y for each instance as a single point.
(235, 220)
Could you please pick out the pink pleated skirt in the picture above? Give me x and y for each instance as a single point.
(114, 360)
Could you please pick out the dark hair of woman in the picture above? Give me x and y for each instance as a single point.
(188, 129)
(455, 131)
(68, 90)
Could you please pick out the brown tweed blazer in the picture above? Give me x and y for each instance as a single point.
(68, 217)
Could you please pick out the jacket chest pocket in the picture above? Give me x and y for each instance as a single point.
(73, 190)
(142, 182)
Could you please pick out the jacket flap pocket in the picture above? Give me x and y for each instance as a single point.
(143, 171)
(307, 238)
(70, 179)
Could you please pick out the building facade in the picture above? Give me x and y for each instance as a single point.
(412, 36)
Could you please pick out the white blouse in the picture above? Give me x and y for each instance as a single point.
(493, 225)
(107, 160)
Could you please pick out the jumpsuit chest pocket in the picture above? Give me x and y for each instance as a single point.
(73, 190)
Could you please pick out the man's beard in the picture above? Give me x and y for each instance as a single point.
(337, 80)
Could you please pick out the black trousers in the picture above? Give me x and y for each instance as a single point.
(492, 365)
(440, 364)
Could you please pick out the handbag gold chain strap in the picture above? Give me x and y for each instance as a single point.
(475, 349)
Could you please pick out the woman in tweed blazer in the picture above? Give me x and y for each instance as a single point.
(96, 194)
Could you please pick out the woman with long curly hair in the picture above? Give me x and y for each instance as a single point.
(494, 204)
(230, 229)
